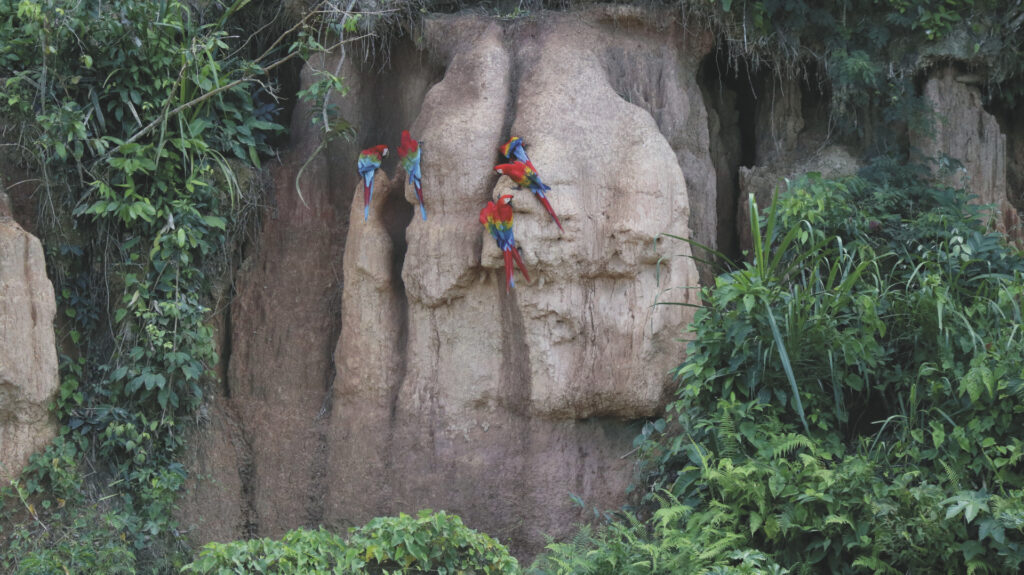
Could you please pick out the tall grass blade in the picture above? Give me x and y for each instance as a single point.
(784, 358)
(755, 236)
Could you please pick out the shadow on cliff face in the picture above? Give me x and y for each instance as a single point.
(397, 213)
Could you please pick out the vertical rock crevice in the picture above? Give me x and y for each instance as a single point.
(250, 523)
(397, 214)
(730, 98)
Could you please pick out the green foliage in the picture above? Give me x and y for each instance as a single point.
(428, 543)
(298, 551)
(868, 52)
(851, 398)
(140, 117)
(679, 541)
(72, 540)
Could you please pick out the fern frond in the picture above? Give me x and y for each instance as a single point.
(582, 540)
(727, 435)
(785, 521)
(636, 526)
(838, 520)
(1017, 455)
(791, 443)
(671, 515)
(875, 564)
(951, 474)
(976, 566)
(723, 543)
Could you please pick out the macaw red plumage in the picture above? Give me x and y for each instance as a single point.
(409, 154)
(497, 218)
(369, 162)
(526, 177)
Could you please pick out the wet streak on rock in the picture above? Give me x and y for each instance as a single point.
(318, 480)
(516, 379)
(225, 350)
(246, 468)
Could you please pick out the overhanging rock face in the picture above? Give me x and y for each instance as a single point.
(438, 389)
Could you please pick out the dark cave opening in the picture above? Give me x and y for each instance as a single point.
(730, 88)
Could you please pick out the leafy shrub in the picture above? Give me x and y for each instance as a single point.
(679, 541)
(428, 543)
(139, 118)
(73, 540)
(852, 398)
(298, 551)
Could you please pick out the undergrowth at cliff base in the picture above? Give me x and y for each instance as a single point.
(852, 399)
(428, 543)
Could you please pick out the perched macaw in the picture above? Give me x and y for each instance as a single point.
(409, 154)
(526, 177)
(369, 162)
(497, 218)
(514, 150)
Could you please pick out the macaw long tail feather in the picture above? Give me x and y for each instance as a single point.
(547, 205)
(419, 196)
(367, 194)
(509, 281)
(519, 262)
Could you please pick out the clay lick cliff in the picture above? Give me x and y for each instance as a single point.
(380, 366)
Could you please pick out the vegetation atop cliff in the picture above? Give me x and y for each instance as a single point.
(865, 55)
(868, 53)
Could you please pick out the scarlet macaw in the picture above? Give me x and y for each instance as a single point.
(409, 154)
(369, 162)
(514, 150)
(526, 177)
(497, 218)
